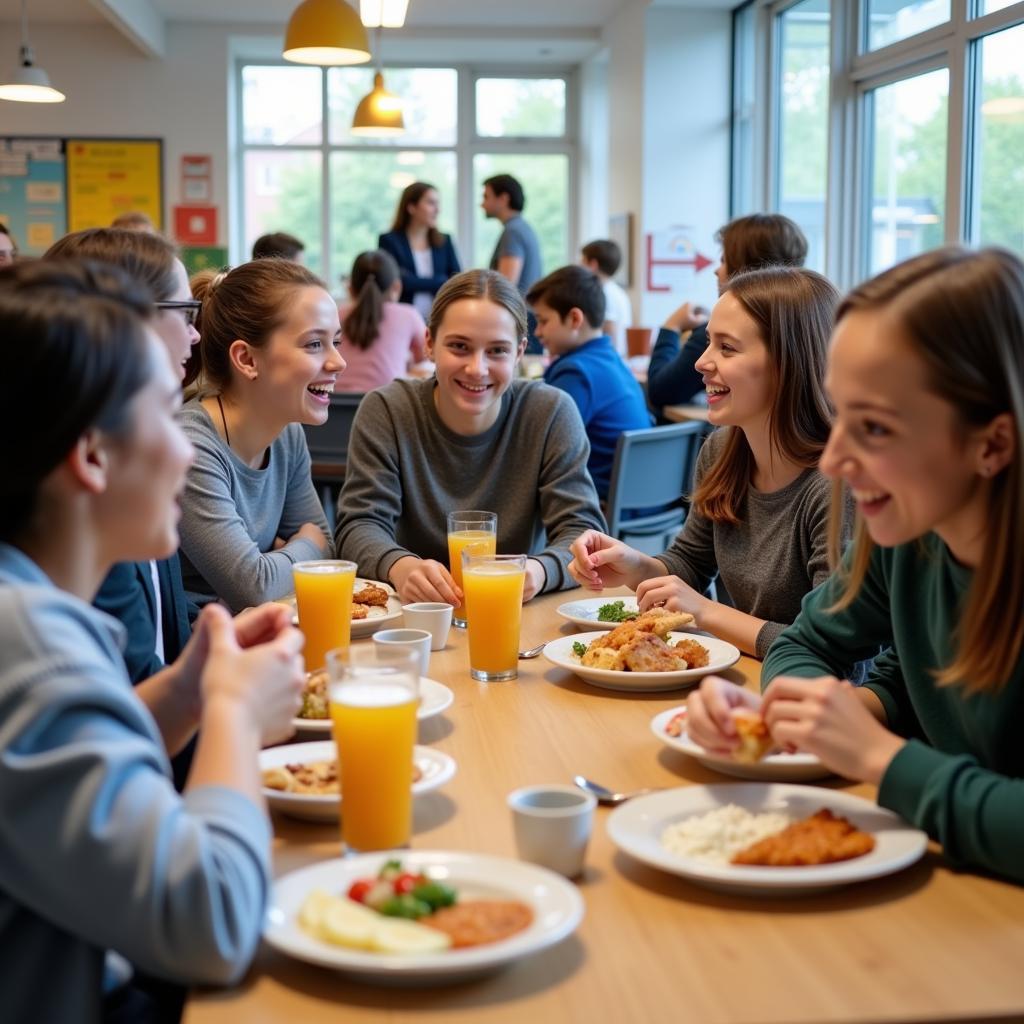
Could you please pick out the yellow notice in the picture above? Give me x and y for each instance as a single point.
(107, 177)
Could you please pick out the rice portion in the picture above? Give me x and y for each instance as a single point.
(720, 834)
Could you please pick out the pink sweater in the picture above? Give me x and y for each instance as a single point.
(402, 334)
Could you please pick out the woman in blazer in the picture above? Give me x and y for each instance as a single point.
(425, 257)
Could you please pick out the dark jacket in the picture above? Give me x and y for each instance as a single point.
(446, 264)
(672, 378)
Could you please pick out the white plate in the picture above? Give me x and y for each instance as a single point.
(777, 767)
(377, 617)
(636, 827)
(722, 655)
(584, 611)
(556, 903)
(435, 697)
(435, 768)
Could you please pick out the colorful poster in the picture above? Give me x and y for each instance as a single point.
(107, 177)
(32, 195)
(203, 257)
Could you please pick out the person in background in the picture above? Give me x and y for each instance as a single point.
(249, 510)
(134, 220)
(8, 247)
(570, 311)
(380, 337)
(925, 374)
(603, 257)
(425, 256)
(759, 512)
(280, 245)
(103, 866)
(758, 240)
(473, 437)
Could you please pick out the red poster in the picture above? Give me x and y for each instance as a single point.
(196, 225)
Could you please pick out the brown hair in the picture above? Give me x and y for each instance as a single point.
(133, 220)
(411, 195)
(248, 303)
(479, 284)
(373, 273)
(761, 240)
(605, 253)
(793, 309)
(963, 313)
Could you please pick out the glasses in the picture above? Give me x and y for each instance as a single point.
(190, 307)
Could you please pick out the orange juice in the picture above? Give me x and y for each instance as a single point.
(477, 542)
(374, 726)
(494, 598)
(323, 596)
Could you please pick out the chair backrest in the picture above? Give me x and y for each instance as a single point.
(651, 474)
(328, 444)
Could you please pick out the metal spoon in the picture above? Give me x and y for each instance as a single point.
(532, 652)
(605, 796)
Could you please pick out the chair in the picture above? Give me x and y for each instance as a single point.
(328, 449)
(653, 470)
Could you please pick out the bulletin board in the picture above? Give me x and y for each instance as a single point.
(107, 177)
(33, 195)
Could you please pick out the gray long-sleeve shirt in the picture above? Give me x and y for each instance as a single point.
(231, 514)
(97, 850)
(406, 471)
(776, 554)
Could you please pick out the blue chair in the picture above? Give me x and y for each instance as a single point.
(652, 475)
(328, 448)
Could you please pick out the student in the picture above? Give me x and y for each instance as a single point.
(603, 257)
(569, 306)
(425, 256)
(473, 437)
(278, 245)
(97, 851)
(134, 220)
(759, 512)
(925, 373)
(380, 337)
(8, 247)
(758, 240)
(269, 364)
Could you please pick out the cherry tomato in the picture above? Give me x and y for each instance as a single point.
(360, 888)
(405, 883)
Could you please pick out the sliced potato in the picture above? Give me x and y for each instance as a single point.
(395, 935)
(312, 911)
(346, 923)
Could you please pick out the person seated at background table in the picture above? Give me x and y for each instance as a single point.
(425, 256)
(269, 364)
(8, 247)
(472, 437)
(760, 508)
(569, 307)
(924, 373)
(135, 220)
(380, 337)
(603, 257)
(748, 243)
(97, 851)
(278, 245)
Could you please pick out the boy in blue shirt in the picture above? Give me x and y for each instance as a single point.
(570, 306)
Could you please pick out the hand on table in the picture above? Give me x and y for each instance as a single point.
(672, 593)
(423, 579)
(600, 561)
(709, 720)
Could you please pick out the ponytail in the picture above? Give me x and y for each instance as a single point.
(373, 274)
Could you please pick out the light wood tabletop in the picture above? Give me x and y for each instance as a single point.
(927, 943)
(684, 413)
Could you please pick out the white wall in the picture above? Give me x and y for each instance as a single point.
(593, 148)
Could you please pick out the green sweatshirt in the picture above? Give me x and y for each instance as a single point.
(960, 777)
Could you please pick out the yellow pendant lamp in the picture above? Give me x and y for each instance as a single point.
(325, 32)
(379, 113)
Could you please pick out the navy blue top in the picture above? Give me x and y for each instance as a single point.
(608, 397)
(671, 376)
(446, 264)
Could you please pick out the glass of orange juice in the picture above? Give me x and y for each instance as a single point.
(493, 586)
(323, 597)
(469, 531)
(374, 694)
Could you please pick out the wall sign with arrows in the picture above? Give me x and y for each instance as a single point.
(672, 257)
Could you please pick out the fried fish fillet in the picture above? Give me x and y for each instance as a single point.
(372, 595)
(649, 653)
(658, 621)
(639, 645)
(822, 838)
(755, 740)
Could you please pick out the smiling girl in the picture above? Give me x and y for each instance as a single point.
(474, 437)
(269, 362)
(925, 372)
(759, 511)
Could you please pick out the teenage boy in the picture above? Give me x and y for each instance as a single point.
(569, 306)
(603, 257)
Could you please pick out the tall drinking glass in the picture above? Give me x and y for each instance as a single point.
(469, 531)
(494, 600)
(323, 597)
(374, 693)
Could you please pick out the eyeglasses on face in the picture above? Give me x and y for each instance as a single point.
(190, 307)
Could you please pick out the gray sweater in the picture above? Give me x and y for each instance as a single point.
(231, 514)
(776, 554)
(406, 471)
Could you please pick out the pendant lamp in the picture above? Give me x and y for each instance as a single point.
(379, 113)
(28, 83)
(383, 13)
(325, 32)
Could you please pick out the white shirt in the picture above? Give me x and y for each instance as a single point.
(619, 310)
(158, 611)
(423, 260)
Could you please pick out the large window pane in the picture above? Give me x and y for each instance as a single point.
(999, 143)
(365, 187)
(429, 105)
(545, 181)
(803, 121)
(988, 6)
(520, 106)
(744, 103)
(906, 203)
(281, 106)
(891, 20)
(282, 193)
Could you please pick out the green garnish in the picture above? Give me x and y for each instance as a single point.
(616, 611)
(578, 649)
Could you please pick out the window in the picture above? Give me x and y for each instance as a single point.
(744, 107)
(525, 107)
(892, 20)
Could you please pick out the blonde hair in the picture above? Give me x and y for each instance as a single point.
(479, 284)
(963, 314)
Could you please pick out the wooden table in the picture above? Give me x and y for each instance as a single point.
(928, 943)
(684, 413)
